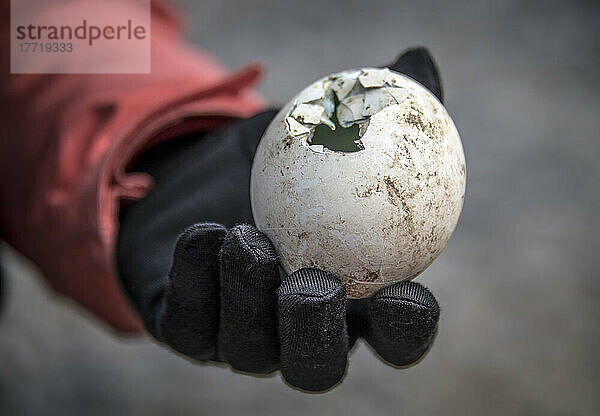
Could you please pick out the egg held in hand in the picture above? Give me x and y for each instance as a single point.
(362, 174)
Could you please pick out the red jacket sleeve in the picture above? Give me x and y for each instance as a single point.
(68, 139)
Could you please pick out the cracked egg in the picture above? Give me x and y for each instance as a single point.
(361, 174)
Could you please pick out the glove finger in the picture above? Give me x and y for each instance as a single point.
(418, 64)
(249, 279)
(312, 329)
(188, 321)
(402, 322)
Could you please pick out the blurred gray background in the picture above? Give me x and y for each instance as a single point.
(518, 283)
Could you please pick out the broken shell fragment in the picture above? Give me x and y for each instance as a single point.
(370, 78)
(350, 111)
(295, 128)
(373, 186)
(342, 87)
(308, 113)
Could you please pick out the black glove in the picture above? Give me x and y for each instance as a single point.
(214, 292)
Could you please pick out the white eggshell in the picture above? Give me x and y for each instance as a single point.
(374, 216)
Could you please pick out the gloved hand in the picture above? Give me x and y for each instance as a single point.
(211, 290)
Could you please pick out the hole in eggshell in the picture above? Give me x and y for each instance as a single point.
(341, 139)
(334, 113)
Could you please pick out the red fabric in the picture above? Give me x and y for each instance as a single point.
(66, 143)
